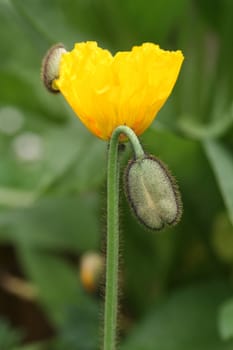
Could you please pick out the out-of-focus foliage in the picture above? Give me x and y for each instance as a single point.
(176, 285)
(9, 338)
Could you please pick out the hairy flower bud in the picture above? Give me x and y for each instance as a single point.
(50, 67)
(152, 193)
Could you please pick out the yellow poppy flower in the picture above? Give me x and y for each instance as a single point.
(129, 88)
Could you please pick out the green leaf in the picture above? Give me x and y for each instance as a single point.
(10, 197)
(74, 155)
(80, 329)
(58, 285)
(67, 154)
(221, 162)
(218, 127)
(14, 33)
(88, 171)
(226, 320)
(145, 18)
(64, 21)
(9, 338)
(36, 346)
(45, 19)
(187, 319)
(62, 148)
(62, 223)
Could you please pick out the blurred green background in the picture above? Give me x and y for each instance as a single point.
(177, 285)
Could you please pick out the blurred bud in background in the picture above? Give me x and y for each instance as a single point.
(91, 270)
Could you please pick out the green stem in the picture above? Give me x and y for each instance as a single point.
(112, 255)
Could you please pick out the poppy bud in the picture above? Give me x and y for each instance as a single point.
(152, 193)
(50, 67)
(91, 270)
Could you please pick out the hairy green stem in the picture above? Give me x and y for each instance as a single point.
(112, 253)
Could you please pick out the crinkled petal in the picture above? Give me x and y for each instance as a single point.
(129, 88)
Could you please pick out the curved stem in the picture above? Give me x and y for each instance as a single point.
(112, 254)
(122, 129)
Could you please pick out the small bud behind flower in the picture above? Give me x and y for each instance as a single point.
(50, 67)
(152, 193)
(91, 270)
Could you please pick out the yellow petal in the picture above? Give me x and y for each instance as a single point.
(129, 88)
